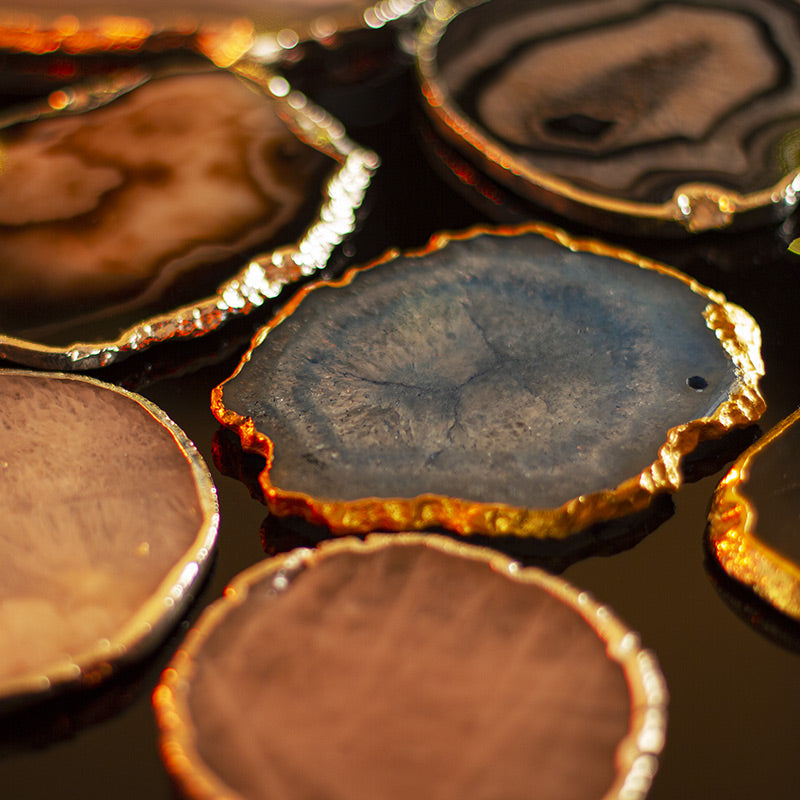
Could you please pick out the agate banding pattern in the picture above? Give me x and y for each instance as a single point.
(510, 371)
(113, 206)
(627, 104)
(406, 668)
(109, 517)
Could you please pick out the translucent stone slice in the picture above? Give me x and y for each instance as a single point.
(141, 208)
(665, 114)
(517, 382)
(405, 667)
(108, 520)
(752, 529)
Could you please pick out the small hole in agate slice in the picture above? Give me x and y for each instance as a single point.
(579, 126)
(697, 382)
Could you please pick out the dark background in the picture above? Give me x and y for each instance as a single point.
(730, 662)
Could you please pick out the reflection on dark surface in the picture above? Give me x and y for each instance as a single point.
(750, 608)
(773, 489)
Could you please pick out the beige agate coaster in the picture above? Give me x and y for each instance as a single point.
(752, 530)
(223, 31)
(109, 517)
(146, 207)
(409, 666)
(624, 114)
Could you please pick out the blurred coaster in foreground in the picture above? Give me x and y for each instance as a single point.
(631, 115)
(224, 31)
(515, 382)
(146, 207)
(760, 498)
(109, 516)
(409, 666)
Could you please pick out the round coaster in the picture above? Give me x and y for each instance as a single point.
(631, 115)
(109, 517)
(510, 382)
(409, 666)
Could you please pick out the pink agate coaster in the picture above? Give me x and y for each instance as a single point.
(409, 666)
(109, 517)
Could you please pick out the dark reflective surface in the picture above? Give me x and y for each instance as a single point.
(735, 708)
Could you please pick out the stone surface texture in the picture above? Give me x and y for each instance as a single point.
(98, 505)
(112, 207)
(498, 369)
(407, 673)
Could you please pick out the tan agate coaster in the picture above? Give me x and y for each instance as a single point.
(624, 114)
(109, 517)
(752, 529)
(514, 381)
(409, 666)
(223, 31)
(144, 207)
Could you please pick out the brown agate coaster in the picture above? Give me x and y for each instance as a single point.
(516, 381)
(626, 114)
(109, 516)
(222, 31)
(409, 666)
(143, 208)
(752, 529)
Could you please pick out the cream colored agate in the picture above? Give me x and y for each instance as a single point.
(183, 172)
(99, 505)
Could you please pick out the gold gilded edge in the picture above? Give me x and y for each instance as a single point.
(150, 624)
(735, 329)
(637, 753)
(695, 207)
(263, 277)
(733, 533)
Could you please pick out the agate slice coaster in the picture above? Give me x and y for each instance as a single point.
(752, 529)
(109, 517)
(654, 117)
(409, 666)
(223, 31)
(510, 382)
(146, 207)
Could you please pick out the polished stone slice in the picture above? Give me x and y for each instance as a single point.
(108, 517)
(504, 370)
(686, 110)
(409, 668)
(161, 188)
(753, 531)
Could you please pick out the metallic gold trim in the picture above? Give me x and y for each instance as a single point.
(733, 533)
(735, 329)
(157, 616)
(637, 752)
(694, 207)
(264, 277)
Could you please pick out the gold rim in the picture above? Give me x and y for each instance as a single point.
(694, 207)
(733, 533)
(150, 624)
(736, 331)
(264, 276)
(637, 753)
